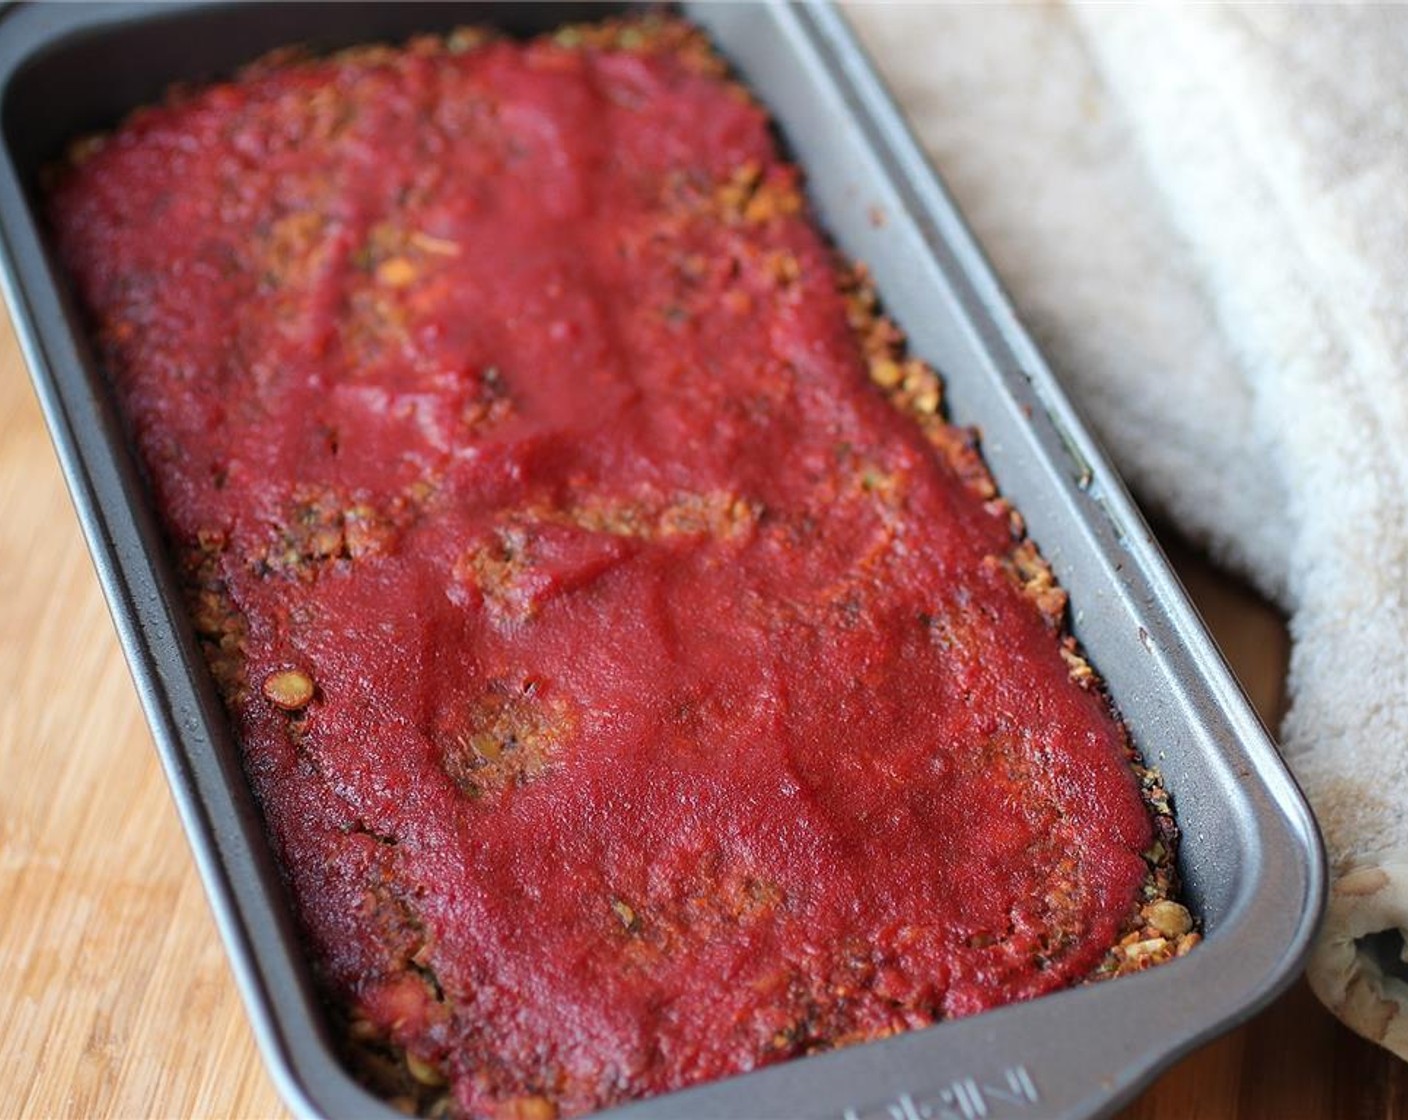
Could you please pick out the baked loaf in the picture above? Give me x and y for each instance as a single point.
(641, 681)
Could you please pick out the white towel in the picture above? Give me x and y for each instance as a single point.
(1202, 213)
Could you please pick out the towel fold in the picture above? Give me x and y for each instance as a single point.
(1200, 213)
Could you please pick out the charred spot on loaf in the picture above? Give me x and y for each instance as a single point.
(507, 736)
(716, 514)
(220, 625)
(494, 567)
(492, 402)
(322, 529)
(546, 551)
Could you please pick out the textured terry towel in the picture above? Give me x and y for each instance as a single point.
(1202, 213)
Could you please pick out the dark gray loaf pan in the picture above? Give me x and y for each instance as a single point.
(1251, 858)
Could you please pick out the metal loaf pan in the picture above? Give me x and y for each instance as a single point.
(1251, 858)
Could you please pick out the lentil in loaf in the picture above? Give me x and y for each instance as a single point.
(641, 681)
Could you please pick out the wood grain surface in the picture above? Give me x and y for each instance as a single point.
(115, 998)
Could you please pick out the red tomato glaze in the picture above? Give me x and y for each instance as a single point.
(673, 710)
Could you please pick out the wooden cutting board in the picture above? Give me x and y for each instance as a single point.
(115, 997)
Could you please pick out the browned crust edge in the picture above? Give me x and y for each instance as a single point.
(1159, 928)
